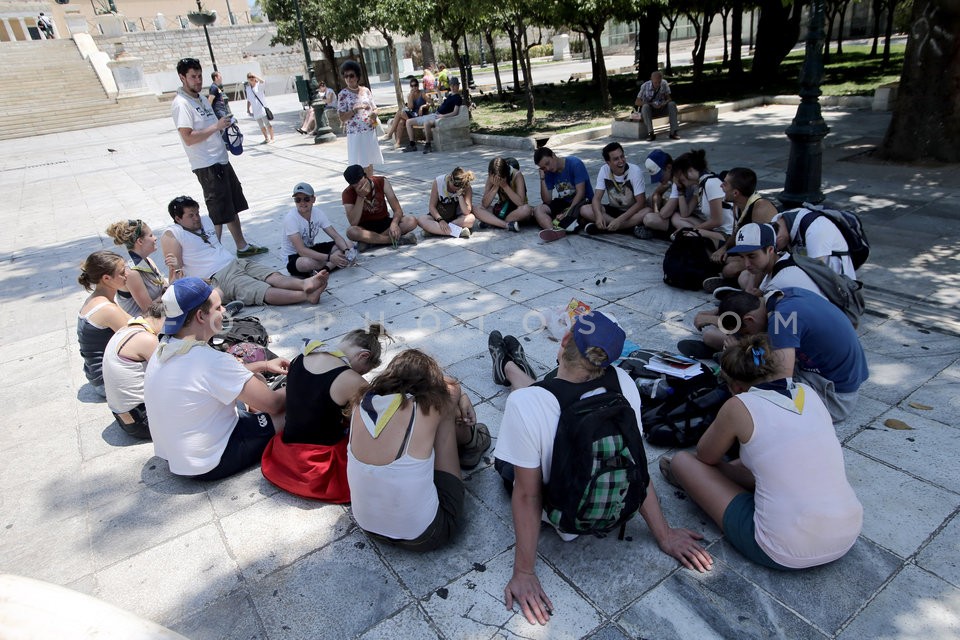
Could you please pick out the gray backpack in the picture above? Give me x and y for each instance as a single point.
(839, 289)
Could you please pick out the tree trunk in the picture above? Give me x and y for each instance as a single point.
(335, 82)
(926, 118)
(394, 68)
(426, 48)
(528, 80)
(700, 43)
(843, 16)
(829, 15)
(593, 58)
(515, 51)
(888, 32)
(496, 65)
(778, 30)
(877, 6)
(464, 84)
(736, 41)
(649, 42)
(600, 72)
(724, 14)
(671, 23)
(363, 62)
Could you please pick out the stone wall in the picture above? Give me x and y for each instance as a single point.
(160, 50)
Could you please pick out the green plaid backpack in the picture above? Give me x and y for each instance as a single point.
(598, 478)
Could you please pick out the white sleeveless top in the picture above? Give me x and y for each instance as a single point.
(122, 378)
(397, 500)
(806, 511)
(201, 258)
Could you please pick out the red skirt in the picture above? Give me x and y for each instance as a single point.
(309, 470)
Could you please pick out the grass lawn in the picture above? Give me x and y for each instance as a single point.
(570, 107)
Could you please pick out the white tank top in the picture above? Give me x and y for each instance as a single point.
(122, 378)
(201, 258)
(397, 500)
(806, 511)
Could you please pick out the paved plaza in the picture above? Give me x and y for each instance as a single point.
(87, 507)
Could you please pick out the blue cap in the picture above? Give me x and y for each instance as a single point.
(752, 237)
(180, 298)
(656, 162)
(233, 139)
(595, 329)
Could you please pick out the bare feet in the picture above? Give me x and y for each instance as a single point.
(314, 286)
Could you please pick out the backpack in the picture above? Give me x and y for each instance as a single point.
(237, 330)
(849, 225)
(838, 288)
(687, 263)
(682, 425)
(598, 478)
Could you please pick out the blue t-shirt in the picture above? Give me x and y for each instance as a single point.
(452, 101)
(824, 340)
(565, 182)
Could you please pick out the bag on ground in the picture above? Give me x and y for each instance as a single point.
(687, 263)
(598, 478)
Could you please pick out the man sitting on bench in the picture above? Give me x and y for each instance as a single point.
(448, 108)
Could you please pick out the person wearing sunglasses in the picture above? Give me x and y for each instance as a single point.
(200, 129)
(358, 113)
(191, 249)
(301, 226)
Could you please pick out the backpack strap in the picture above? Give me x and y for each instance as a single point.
(805, 223)
(567, 392)
(780, 265)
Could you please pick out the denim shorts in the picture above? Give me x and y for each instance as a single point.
(739, 528)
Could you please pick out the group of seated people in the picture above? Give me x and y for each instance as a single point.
(394, 447)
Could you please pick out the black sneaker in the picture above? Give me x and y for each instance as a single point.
(591, 229)
(410, 148)
(514, 226)
(498, 354)
(651, 136)
(427, 148)
(642, 232)
(515, 353)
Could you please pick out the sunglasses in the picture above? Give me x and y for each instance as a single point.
(303, 199)
(349, 75)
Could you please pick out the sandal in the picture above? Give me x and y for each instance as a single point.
(472, 451)
(666, 473)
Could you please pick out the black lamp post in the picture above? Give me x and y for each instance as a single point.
(303, 38)
(202, 18)
(808, 129)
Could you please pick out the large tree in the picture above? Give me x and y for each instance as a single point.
(926, 118)
(778, 31)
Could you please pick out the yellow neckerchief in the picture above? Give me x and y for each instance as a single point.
(147, 269)
(318, 346)
(747, 207)
(794, 400)
(141, 322)
(375, 411)
(165, 350)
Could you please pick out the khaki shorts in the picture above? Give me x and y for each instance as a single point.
(243, 280)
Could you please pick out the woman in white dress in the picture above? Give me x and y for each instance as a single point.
(358, 113)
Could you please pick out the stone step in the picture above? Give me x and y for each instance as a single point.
(105, 114)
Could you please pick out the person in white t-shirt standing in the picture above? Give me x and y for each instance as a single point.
(301, 225)
(191, 391)
(256, 107)
(199, 130)
(625, 187)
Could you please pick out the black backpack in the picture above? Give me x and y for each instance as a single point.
(598, 478)
(687, 263)
(838, 288)
(849, 225)
(236, 330)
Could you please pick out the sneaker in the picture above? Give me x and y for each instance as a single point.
(712, 284)
(695, 349)
(515, 353)
(514, 226)
(361, 246)
(498, 354)
(642, 232)
(251, 250)
(651, 136)
(409, 238)
(233, 308)
(674, 135)
(482, 226)
(427, 148)
(549, 235)
(591, 229)
(722, 292)
(568, 222)
(472, 452)
(411, 147)
(465, 233)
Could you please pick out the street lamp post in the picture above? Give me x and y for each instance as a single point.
(203, 18)
(806, 132)
(322, 131)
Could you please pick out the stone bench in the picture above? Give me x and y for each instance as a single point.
(448, 133)
(631, 126)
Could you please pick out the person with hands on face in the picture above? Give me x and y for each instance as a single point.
(525, 448)
(365, 202)
(710, 214)
(191, 391)
(567, 176)
(451, 202)
(306, 256)
(504, 202)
